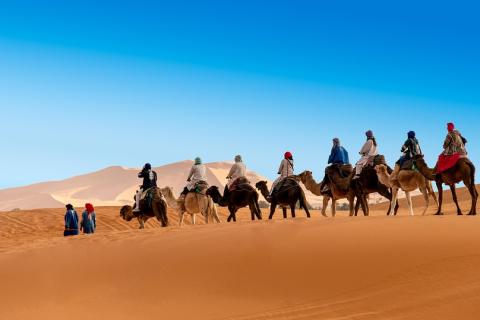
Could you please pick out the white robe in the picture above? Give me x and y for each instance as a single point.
(285, 170)
(368, 150)
(197, 173)
(238, 170)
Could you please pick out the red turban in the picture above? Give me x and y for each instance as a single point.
(89, 207)
(450, 127)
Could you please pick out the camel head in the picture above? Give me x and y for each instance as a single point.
(214, 193)
(167, 192)
(261, 185)
(304, 176)
(126, 212)
(381, 169)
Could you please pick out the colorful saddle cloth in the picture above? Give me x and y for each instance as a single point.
(446, 162)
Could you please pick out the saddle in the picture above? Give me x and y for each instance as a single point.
(200, 187)
(146, 198)
(376, 160)
(288, 182)
(407, 165)
(345, 170)
(240, 184)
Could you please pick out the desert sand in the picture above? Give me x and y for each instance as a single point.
(377, 267)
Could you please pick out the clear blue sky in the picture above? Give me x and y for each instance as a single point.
(89, 84)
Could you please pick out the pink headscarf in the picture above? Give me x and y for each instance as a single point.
(450, 127)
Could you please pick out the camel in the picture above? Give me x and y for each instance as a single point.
(463, 170)
(192, 204)
(408, 181)
(244, 195)
(335, 193)
(288, 194)
(158, 209)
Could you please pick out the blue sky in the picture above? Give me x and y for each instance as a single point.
(89, 84)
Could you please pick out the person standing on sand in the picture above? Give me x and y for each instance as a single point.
(71, 222)
(89, 223)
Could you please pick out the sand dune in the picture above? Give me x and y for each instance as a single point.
(374, 267)
(114, 186)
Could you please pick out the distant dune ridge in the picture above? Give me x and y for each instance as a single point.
(113, 186)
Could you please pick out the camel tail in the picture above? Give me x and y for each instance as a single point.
(472, 175)
(303, 200)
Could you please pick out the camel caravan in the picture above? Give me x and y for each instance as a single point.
(371, 174)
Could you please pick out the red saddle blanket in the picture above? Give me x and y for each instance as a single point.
(446, 162)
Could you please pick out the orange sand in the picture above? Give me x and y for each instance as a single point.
(374, 267)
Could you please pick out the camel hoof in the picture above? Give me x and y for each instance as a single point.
(438, 214)
(472, 214)
(459, 214)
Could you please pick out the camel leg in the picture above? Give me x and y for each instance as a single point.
(385, 192)
(206, 218)
(292, 209)
(257, 209)
(454, 195)
(232, 214)
(473, 194)
(432, 193)
(424, 191)
(351, 204)
(364, 204)
(273, 205)
(393, 203)
(440, 199)
(324, 206)
(334, 207)
(253, 211)
(194, 218)
(409, 201)
(180, 218)
(142, 224)
(284, 211)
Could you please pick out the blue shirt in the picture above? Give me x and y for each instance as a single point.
(338, 156)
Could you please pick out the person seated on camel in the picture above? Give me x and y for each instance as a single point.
(338, 156)
(237, 171)
(149, 181)
(410, 148)
(198, 173)
(368, 150)
(454, 142)
(285, 170)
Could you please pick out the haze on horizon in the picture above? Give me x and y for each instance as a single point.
(86, 85)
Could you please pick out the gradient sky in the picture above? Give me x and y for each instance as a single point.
(89, 84)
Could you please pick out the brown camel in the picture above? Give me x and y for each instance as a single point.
(244, 195)
(192, 204)
(408, 181)
(368, 183)
(288, 194)
(158, 209)
(463, 170)
(336, 192)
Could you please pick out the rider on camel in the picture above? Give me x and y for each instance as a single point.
(368, 150)
(198, 173)
(149, 181)
(338, 156)
(285, 170)
(410, 149)
(237, 171)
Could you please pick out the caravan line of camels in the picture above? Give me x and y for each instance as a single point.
(374, 178)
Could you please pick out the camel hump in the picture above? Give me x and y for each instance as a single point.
(240, 184)
(345, 170)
